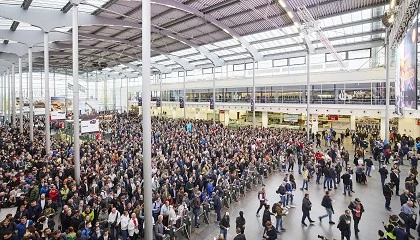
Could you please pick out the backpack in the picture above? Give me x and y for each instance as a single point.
(273, 208)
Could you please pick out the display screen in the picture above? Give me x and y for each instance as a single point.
(406, 72)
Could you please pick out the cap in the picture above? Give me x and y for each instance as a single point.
(357, 200)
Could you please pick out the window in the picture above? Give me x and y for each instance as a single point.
(356, 54)
(218, 69)
(190, 73)
(330, 58)
(207, 70)
(279, 62)
(238, 67)
(180, 74)
(297, 61)
(248, 66)
(265, 64)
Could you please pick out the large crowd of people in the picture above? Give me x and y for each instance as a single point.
(190, 168)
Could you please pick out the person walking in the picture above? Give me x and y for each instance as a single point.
(239, 235)
(357, 209)
(327, 204)
(387, 192)
(384, 174)
(224, 225)
(262, 199)
(369, 165)
(240, 222)
(305, 178)
(306, 208)
(344, 225)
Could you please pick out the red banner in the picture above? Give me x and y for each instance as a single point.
(333, 117)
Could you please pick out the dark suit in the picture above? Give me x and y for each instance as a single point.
(240, 237)
(395, 179)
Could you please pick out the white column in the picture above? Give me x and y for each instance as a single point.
(352, 122)
(1, 92)
(315, 123)
(76, 129)
(127, 100)
(9, 98)
(264, 119)
(87, 85)
(54, 90)
(13, 86)
(226, 118)
(388, 86)
(214, 96)
(147, 122)
(47, 95)
(21, 98)
(253, 94)
(96, 87)
(185, 95)
(383, 128)
(31, 97)
(105, 94)
(308, 93)
(114, 95)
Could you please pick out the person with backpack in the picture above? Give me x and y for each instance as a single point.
(282, 192)
(262, 199)
(278, 211)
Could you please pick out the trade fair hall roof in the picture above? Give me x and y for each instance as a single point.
(190, 34)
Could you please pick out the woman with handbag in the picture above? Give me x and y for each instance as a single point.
(133, 227)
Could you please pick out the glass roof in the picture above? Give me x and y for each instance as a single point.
(58, 4)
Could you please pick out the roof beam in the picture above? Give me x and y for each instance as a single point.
(25, 5)
(174, 4)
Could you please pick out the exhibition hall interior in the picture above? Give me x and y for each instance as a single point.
(209, 119)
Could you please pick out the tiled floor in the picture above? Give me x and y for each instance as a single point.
(370, 195)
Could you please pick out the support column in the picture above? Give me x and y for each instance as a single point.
(173, 112)
(66, 85)
(128, 100)
(13, 86)
(76, 129)
(106, 93)
(253, 94)
(47, 96)
(54, 85)
(214, 96)
(31, 97)
(388, 86)
(226, 118)
(184, 95)
(96, 87)
(308, 92)
(147, 122)
(264, 119)
(21, 98)
(383, 128)
(160, 94)
(2, 96)
(9, 98)
(114, 96)
(352, 123)
(315, 123)
(87, 85)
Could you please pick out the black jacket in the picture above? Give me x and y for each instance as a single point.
(266, 217)
(271, 233)
(387, 190)
(326, 202)
(240, 237)
(306, 205)
(240, 222)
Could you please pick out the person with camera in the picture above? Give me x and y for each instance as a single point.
(279, 213)
(327, 204)
(344, 225)
(114, 219)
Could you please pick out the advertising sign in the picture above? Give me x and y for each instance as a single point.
(39, 106)
(406, 72)
(291, 118)
(333, 117)
(89, 113)
(58, 108)
(25, 104)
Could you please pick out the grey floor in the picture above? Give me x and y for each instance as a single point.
(370, 195)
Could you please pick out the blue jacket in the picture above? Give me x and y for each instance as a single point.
(209, 189)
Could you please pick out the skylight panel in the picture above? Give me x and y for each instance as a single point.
(159, 58)
(196, 57)
(184, 52)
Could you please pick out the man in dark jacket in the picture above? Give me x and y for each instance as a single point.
(384, 174)
(357, 210)
(266, 215)
(387, 192)
(346, 177)
(327, 204)
(239, 235)
(306, 208)
(344, 225)
(395, 180)
(217, 203)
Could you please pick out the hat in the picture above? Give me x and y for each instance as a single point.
(357, 200)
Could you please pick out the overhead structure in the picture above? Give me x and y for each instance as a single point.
(401, 17)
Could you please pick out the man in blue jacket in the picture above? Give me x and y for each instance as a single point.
(21, 227)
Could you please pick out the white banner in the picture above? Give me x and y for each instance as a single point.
(39, 106)
(89, 113)
(291, 118)
(58, 108)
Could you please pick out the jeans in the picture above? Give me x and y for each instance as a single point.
(300, 168)
(383, 178)
(283, 199)
(195, 211)
(387, 201)
(218, 213)
(347, 188)
(279, 223)
(124, 234)
(306, 214)
(368, 169)
(305, 183)
(318, 177)
(329, 214)
(356, 221)
(289, 198)
(261, 206)
(327, 180)
(224, 233)
(345, 234)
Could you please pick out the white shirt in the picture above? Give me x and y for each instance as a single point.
(112, 216)
(124, 221)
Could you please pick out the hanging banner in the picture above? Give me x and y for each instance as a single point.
(25, 105)
(252, 105)
(58, 108)
(39, 106)
(181, 102)
(89, 113)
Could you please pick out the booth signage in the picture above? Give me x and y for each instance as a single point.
(333, 117)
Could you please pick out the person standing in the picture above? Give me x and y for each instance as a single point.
(159, 228)
(217, 203)
(306, 208)
(369, 164)
(125, 219)
(346, 177)
(384, 174)
(395, 179)
(240, 222)
(262, 199)
(114, 219)
(195, 205)
(305, 178)
(269, 232)
(266, 215)
(344, 225)
(327, 204)
(279, 213)
(357, 210)
(224, 225)
(387, 192)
